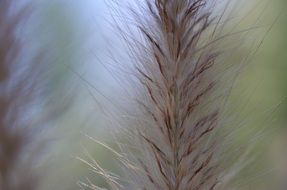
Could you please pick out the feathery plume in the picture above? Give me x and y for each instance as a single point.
(15, 94)
(175, 67)
(180, 66)
(22, 93)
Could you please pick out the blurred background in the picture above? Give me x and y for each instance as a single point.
(82, 35)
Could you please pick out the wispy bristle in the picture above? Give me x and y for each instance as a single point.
(181, 74)
(175, 74)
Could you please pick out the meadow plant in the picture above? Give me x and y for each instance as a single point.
(183, 70)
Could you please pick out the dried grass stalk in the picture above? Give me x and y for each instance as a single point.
(181, 72)
(178, 152)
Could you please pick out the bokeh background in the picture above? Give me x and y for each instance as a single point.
(78, 36)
